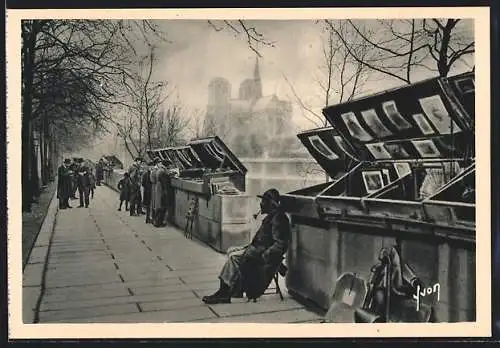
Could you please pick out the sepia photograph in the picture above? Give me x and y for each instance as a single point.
(322, 148)
(157, 180)
(423, 124)
(426, 148)
(375, 124)
(378, 151)
(373, 181)
(438, 115)
(394, 116)
(354, 127)
(402, 168)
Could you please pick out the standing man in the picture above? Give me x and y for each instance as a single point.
(147, 188)
(154, 190)
(172, 172)
(134, 173)
(99, 172)
(64, 184)
(74, 180)
(250, 268)
(164, 184)
(84, 183)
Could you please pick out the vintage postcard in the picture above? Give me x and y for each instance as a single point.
(162, 182)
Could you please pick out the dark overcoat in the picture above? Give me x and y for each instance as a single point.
(147, 185)
(64, 182)
(264, 254)
(124, 188)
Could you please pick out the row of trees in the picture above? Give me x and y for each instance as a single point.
(73, 78)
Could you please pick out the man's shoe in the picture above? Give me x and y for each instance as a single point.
(80, 206)
(217, 298)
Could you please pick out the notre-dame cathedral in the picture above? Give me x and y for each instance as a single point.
(252, 125)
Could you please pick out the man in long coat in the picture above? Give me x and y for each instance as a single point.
(64, 184)
(250, 268)
(84, 184)
(135, 175)
(99, 175)
(147, 188)
(159, 181)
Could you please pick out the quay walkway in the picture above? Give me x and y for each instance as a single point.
(100, 265)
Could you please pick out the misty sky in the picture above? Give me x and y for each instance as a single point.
(198, 53)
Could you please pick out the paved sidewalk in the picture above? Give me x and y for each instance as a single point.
(106, 266)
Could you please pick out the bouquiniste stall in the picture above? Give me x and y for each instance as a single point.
(213, 177)
(402, 164)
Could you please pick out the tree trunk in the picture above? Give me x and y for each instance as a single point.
(29, 184)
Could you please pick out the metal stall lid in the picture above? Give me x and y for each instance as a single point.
(335, 157)
(214, 154)
(408, 131)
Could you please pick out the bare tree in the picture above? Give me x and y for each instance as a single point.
(172, 126)
(196, 120)
(340, 77)
(146, 98)
(242, 28)
(71, 73)
(399, 48)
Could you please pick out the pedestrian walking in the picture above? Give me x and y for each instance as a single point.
(83, 182)
(124, 188)
(64, 184)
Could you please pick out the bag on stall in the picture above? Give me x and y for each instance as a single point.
(391, 291)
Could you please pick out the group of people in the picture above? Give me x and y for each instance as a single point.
(146, 190)
(75, 175)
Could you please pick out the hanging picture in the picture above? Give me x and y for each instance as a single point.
(426, 148)
(373, 121)
(394, 116)
(435, 110)
(387, 177)
(373, 181)
(354, 128)
(402, 168)
(343, 146)
(396, 150)
(423, 124)
(378, 151)
(322, 148)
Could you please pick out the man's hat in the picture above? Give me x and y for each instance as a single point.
(67, 160)
(272, 195)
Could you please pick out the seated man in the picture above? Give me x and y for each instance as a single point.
(250, 268)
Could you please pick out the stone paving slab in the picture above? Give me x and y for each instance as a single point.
(83, 295)
(172, 316)
(289, 316)
(104, 301)
(63, 315)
